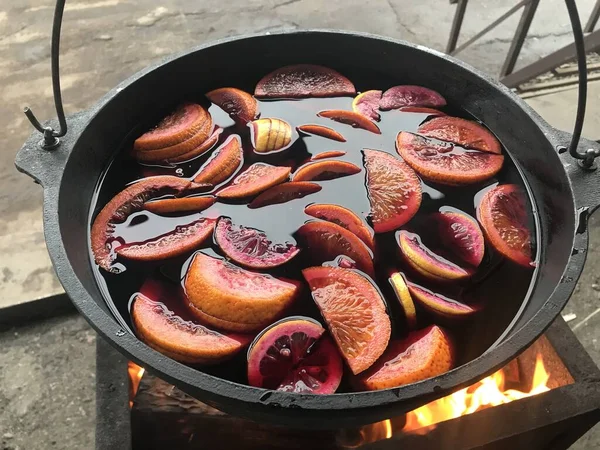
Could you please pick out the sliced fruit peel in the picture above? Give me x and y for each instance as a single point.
(206, 146)
(367, 104)
(461, 235)
(466, 133)
(285, 192)
(226, 161)
(270, 135)
(439, 305)
(176, 205)
(354, 311)
(404, 298)
(325, 170)
(422, 110)
(320, 130)
(351, 118)
(255, 179)
(409, 95)
(234, 299)
(328, 154)
(240, 105)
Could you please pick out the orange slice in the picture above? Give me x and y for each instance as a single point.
(175, 205)
(255, 179)
(240, 105)
(325, 170)
(351, 118)
(226, 160)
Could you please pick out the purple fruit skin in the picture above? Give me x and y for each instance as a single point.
(408, 95)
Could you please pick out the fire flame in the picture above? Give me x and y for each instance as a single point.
(135, 376)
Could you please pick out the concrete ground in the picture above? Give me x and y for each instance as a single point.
(46, 368)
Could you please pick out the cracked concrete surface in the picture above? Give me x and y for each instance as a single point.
(104, 42)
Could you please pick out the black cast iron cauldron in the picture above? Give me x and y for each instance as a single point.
(562, 192)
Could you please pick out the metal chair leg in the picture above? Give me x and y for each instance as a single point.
(459, 15)
(594, 16)
(519, 38)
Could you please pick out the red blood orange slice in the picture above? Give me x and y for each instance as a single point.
(183, 239)
(292, 355)
(200, 150)
(285, 192)
(129, 200)
(419, 256)
(250, 247)
(404, 298)
(226, 160)
(502, 213)
(270, 135)
(351, 118)
(328, 154)
(422, 354)
(325, 241)
(234, 299)
(304, 80)
(465, 133)
(443, 163)
(354, 311)
(325, 170)
(240, 105)
(367, 104)
(422, 110)
(460, 235)
(255, 179)
(182, 340)
(183, 123)
(394, 190)
(322, 131)
(439, 305)
(175, 205)
(344, 218)
(407, 95)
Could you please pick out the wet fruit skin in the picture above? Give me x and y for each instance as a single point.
(183, 123)
(293, 355)
(240, 105)
(255, 179)
(251, 248)
(422, 110)
(466, 133)
(322, 131)
(285, 192)
(438, 305)
(399, 96)
(226, 160)
(344, 218)
(200, 150)
(325, 170)
(182, 340)
(502, 213)
(351, 118)
(404, 298)
(270, 135)
(174, 205)
(303, 80)
(394, 190)
(325, 241)
(354, 312)
(423, 354)
(461, 236)
(417, 254)
(367, 104)
(328, 154)
(130, 200)
(234, 299)
(439, 163)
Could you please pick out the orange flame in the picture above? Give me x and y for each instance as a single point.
(135, 376)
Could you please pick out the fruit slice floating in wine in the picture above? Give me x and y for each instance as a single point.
(234, 299)
(293, 355)
(255, 179)
(439, 305)
(285, 192)
(176, 205)
(206, 146)
(322, 131)
(240, 105)
(404, 298)
(351, 118)
(325, 170)
(399, 96)
(183, 123)
(394, 190)
(130, 200)
(367, 104)
(502, 213)
(226, 160)
(325, 241)
(417, 254)
(182, 340)
(422, 110)
(344, 218)
(250, 247)
(422, 354)
(466, 133)
(303, 80)
(354, 312)
(444, 163)
(460, 235)
(270, 135)
(328, 154)
(183, 239)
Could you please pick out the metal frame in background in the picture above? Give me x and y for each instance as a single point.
(553, 60)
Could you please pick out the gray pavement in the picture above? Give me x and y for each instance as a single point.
(46, 369)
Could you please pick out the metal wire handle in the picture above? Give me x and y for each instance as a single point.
(51, 141)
